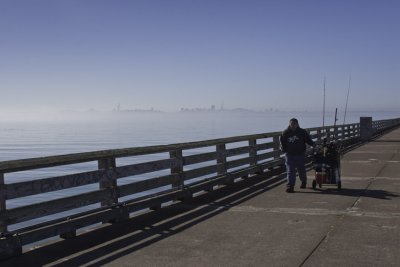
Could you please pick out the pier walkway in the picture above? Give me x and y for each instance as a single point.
(258, 224)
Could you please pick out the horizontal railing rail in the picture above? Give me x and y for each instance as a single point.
(119, 182)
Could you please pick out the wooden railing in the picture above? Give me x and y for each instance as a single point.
(382, 125)
(156, 175)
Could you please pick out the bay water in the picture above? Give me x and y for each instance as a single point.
(91, 131)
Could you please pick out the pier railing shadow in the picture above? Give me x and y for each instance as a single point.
(108, 243)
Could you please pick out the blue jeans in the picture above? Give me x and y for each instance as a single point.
(294, 162)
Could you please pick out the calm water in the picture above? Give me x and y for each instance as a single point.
(90, 132)
(85, 132)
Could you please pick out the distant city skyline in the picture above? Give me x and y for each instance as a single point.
(168, 55)
(120, 108)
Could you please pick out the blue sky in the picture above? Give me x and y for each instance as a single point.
(67, 54)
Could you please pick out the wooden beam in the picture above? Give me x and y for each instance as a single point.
(177, 169)
(40, 186)
(3, 208)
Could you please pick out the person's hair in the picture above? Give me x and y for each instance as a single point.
(294, 120)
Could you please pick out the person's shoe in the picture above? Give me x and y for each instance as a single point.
(290, 190)
(303, 185)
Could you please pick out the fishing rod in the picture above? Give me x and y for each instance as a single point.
(344, 117)
(323, 108)
(347, 101)
(334, 126)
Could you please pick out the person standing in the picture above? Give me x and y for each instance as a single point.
(293, 143)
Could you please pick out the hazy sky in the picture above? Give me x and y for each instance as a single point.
(167, 54)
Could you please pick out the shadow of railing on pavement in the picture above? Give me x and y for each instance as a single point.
(109, 243)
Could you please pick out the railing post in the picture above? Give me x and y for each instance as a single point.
(335, 132)
(253, 155)
(3, 224)
(277, 152)
(221, 163)
(344, 131)
(177, 169)
(11, 245)
(319, 136)
(328, 133)
(276, 147)
(109, 182)
(274, 170)
(221, 159)
(356, 130)
(253, 152)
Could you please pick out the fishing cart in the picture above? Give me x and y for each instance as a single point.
(326, 163)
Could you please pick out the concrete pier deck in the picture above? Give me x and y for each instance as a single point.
(258, 224)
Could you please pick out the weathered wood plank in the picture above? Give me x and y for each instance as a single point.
(177, 169)
(108, 180)
(276, 146)
(199, 158)
(244, 172)
(227, 140)
(253, 151)
(3, 223)
(208, 184)
(237, 151)
(37, 210)
(268, 155)
(265, 146)
(238, 163)
(200, 172)
(148, 184)
(273, 163)
(153, 200)
(45, 185)
(146, 167)
(221, 160)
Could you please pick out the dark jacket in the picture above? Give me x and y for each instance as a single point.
(294, 142)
